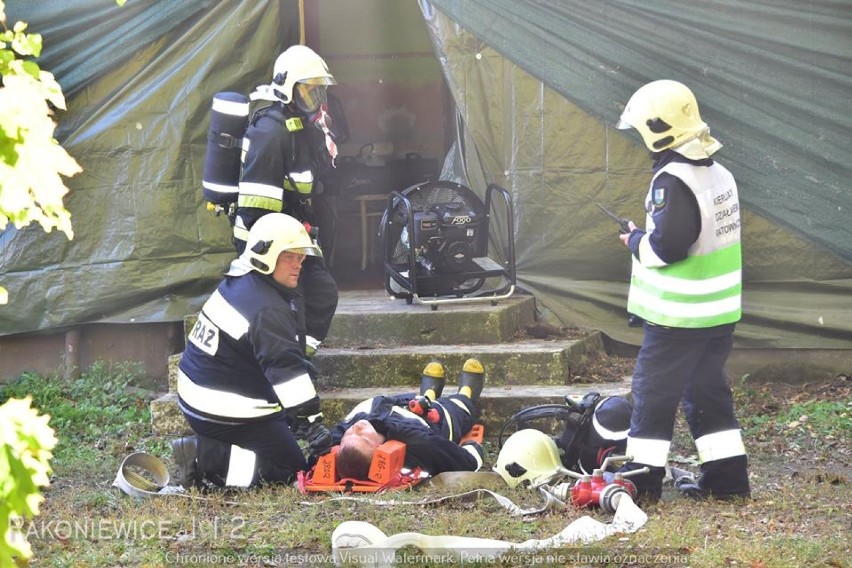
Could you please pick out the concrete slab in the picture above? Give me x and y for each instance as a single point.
(515, 363)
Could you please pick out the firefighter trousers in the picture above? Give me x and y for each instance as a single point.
(688, 366)
(245, 455)
(320, 294)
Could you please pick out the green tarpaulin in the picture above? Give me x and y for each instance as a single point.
(539, 86)
(138, 80)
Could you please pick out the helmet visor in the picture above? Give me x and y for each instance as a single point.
(308, 97)
(307, 251)
(321, 80)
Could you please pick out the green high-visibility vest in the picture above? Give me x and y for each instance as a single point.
(705, 289)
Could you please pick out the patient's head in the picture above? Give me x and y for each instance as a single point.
(356, 450)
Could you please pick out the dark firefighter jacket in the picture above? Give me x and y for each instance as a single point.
(427, 445)
(243, 360)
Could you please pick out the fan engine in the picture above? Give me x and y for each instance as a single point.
(435, 237)
(444, 237)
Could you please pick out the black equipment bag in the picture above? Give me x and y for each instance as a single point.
(586, 431)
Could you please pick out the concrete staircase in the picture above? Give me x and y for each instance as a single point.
(379, 345)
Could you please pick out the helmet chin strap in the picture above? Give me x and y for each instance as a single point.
(320, 118)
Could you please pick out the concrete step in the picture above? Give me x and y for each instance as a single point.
(373, 318)
(527, 362)
(521, 362)
(497, 403)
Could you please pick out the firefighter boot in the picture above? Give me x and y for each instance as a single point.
(649, 486)
(471, 380)
(184, 454)
(723, 480)
(432, 381)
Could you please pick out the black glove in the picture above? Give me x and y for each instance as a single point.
(300, 418)
(318, 438)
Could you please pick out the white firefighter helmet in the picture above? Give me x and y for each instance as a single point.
(529, 456)
(665, 113)
(301, 74)
(273, 234)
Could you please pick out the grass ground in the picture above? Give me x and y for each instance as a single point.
(797, 437)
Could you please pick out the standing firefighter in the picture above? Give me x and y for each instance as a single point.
(686, 285)
(286, 146)
(244, 383)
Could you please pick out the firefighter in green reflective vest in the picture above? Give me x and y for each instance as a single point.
(686, 287)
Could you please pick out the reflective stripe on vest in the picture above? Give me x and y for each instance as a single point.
(705, 289)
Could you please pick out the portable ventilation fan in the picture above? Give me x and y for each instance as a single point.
(435, 240)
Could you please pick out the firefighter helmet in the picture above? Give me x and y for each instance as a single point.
(665, 113)
(273, 234)
(300, 74)
(529, 456)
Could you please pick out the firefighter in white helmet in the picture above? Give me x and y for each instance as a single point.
(686, 287)
(287, 146)
(244, 382)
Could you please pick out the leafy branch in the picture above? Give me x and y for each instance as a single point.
(31, 160)
(26, 442)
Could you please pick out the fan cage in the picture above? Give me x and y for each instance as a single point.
(404, 276)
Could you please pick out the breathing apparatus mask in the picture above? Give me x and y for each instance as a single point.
(309, 98)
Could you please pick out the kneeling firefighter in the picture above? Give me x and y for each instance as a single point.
(244, 382)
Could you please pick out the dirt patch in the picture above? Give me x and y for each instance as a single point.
(785, 430)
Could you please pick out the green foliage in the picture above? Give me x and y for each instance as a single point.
(31, 160)
(99, 408)
(826, 419)
(807, 415)
(26, 442)
(101, 411)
